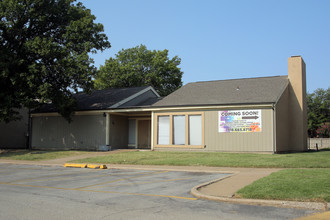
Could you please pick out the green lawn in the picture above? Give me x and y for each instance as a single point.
(291, 184)
(37, 155)
(320, 159)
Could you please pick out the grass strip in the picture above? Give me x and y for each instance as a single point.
(37, 155)
(291, 184)
(318, 159)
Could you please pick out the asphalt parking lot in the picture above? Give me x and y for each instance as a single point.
(39, 192)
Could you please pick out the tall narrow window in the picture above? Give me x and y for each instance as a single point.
(163, 130)
(131, 131)
(195, 130)
(179, 129)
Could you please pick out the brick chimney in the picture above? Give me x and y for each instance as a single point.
(297, 104)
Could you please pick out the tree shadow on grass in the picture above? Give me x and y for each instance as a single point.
(320, 150)
(310, 151)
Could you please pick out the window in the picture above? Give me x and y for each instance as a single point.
(179, 129)
(163, 130)
(195, 129)
(131, 131)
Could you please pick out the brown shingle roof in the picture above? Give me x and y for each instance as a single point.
(98, 99)
(224, 92)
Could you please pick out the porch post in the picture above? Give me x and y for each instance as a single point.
(107, 129)
(152, 130)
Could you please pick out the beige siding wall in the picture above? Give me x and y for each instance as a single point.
(283, 123)
(239, 141)
(118, 131)
(233, 142)
(54, 132)
(13, 134)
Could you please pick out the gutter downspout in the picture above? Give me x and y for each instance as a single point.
(152, 130)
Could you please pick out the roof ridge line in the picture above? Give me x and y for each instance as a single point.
(237, 79)
(99, 90)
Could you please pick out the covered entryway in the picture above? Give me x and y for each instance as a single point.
(139, 130)
(129, 130)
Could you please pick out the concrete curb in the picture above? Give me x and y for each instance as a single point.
(123, 166)
(168, 168)
(277, 203)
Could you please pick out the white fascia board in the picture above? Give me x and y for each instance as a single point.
(134, 96)
(159, 109)
(267, 106)
(211, 107)
(156, 93)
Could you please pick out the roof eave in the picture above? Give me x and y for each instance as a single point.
(223, 104)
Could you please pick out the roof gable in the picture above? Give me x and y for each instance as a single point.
(224, 92)
(130, 99)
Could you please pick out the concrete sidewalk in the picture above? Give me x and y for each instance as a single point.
(241, 177)
(222, 189)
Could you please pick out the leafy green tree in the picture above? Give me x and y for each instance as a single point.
(318, 110)
(44, 47)
(139, 66)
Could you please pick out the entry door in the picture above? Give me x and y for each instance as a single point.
(144, 134)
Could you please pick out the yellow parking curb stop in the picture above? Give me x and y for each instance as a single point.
(83, 165)
(94, 166)
(103, 167)
(78, 165)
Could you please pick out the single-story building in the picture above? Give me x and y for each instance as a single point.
(266, 114)
(113, 117)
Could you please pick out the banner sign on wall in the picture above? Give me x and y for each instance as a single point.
(240, 121)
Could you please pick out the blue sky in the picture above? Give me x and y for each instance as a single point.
(218, 39)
